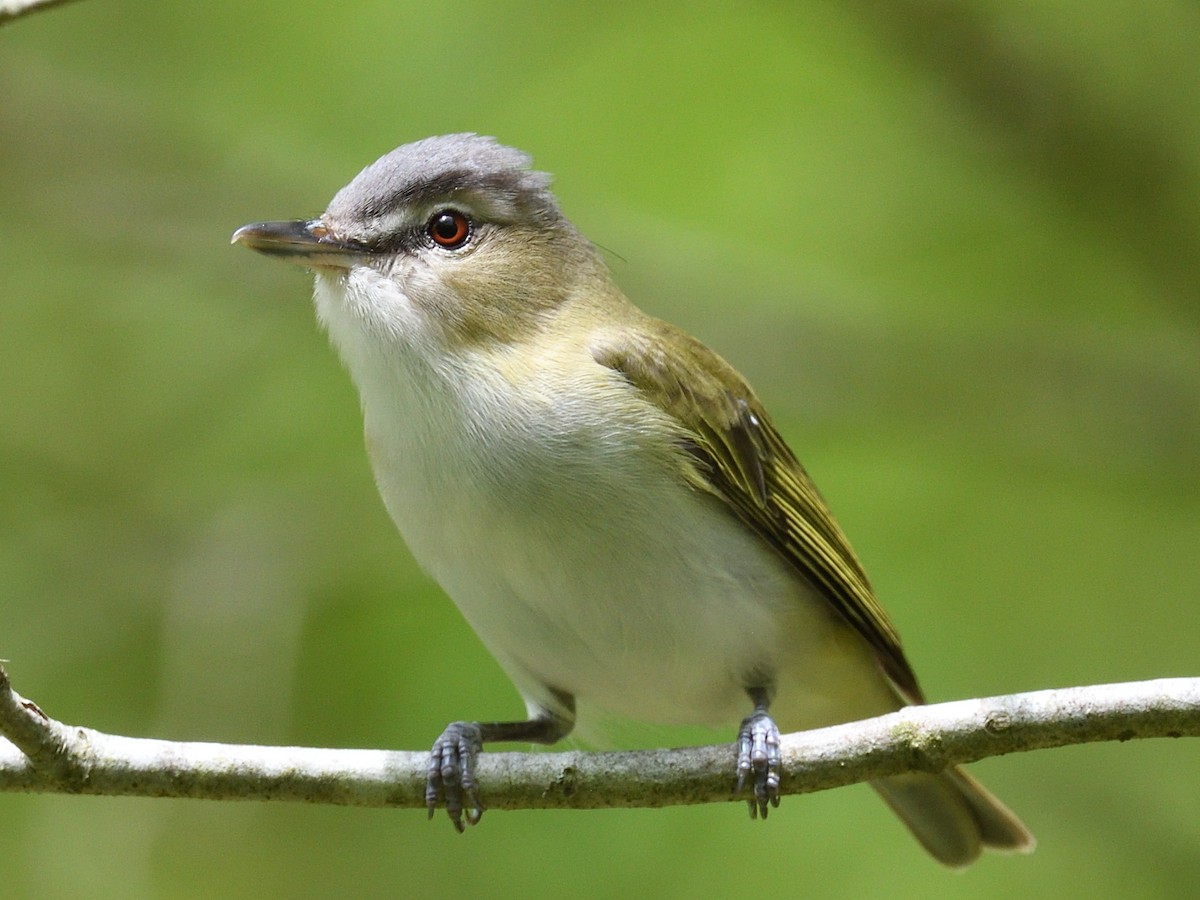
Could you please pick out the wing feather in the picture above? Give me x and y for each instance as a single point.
(739, 456)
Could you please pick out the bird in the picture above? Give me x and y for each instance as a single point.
(604, 498)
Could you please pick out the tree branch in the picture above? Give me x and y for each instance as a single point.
(14, 9)
(46, 756)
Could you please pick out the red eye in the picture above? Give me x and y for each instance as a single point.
(449, 228)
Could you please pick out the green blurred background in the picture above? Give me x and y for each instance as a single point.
(956, 248)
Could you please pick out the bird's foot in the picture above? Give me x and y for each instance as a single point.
(759, 761)
(451, 776)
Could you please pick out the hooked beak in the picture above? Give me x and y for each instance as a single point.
(304, 243)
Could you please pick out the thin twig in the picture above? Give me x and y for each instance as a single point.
(48, 757)
(14, 9)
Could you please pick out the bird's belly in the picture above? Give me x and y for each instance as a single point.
(654, 624)
(641, 596)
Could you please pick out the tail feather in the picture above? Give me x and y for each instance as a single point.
(953, 816)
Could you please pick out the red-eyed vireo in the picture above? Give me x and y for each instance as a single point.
(603, 496)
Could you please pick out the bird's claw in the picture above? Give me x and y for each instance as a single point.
(451, 775)
(759, 761)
